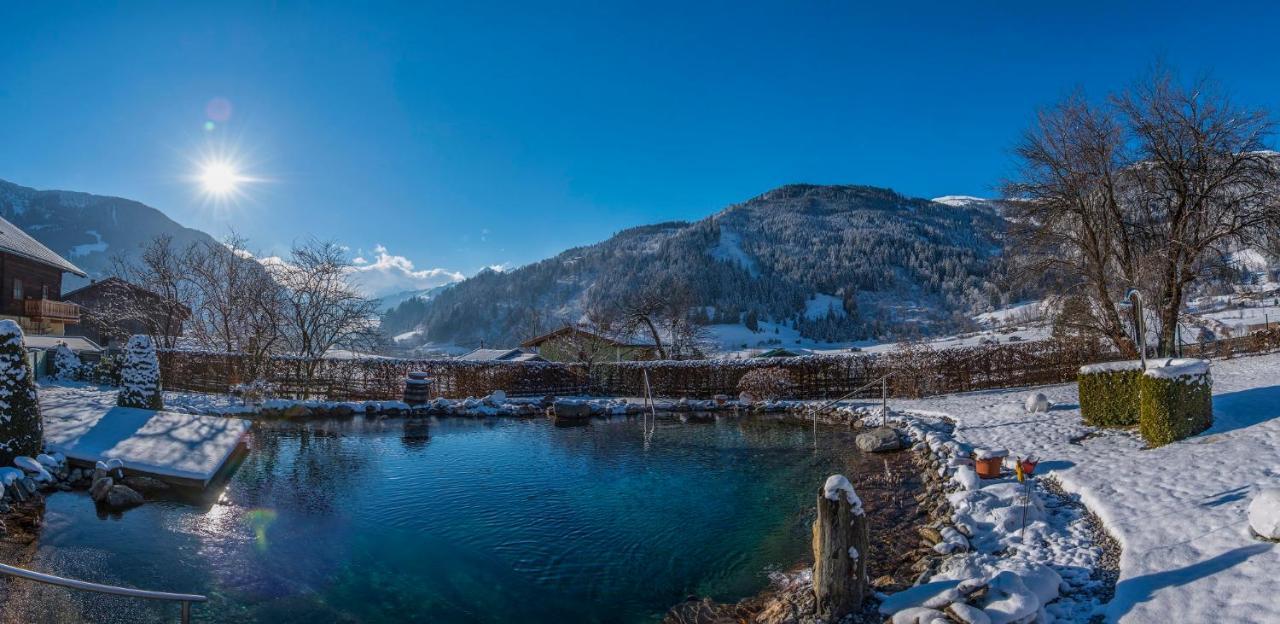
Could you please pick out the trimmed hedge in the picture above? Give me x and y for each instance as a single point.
(1175, 405)
(1109, 398)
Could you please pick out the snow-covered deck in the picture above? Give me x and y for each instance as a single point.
(1179, 511)
(85, 424)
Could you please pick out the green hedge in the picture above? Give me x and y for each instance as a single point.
(1109, 398)
(1174, 407)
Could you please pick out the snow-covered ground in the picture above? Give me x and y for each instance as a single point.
(1179, 511)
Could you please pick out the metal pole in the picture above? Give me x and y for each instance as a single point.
(884, 401)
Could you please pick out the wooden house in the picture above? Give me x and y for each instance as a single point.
(572, 343)
(113, 309)
(31, 284)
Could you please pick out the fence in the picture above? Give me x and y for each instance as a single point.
(916, 371)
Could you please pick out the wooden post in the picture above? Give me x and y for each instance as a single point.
(840, 548)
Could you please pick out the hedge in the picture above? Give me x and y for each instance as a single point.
(1109, 394)
(1176, 401)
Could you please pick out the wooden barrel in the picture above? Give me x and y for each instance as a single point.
(417, 388)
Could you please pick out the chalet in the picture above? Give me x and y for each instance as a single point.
(114, 309)
(501, 355)
(31, 284)
(572, 343)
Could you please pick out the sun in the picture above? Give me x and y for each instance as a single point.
(220, 178)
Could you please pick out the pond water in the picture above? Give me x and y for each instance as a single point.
(455, 520)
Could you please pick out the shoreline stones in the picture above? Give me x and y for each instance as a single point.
(879, 440)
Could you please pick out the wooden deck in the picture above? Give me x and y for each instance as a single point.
(185, 449)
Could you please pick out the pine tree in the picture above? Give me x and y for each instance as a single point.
(140, 375)
(21, 429)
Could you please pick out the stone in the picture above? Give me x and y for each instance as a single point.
(98, 491)
(882, 582)
(930, 535)
(967, 614)
(1036, 402)
(27, 464)
(572, 409)
(1264, 514)
(879, 440)
(145, 484)
(296, 411)
(122, 497)
(343, 411)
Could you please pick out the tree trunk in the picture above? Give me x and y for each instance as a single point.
(840, 549)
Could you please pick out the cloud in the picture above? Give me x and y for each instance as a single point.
(388, 274)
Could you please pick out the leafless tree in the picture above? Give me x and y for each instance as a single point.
(665, 314)
(1144, 191)
(239, 305)
(321, 309)
(161, 270)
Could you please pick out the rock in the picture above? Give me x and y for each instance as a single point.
(343, 411)
(1264, 514)
(98, 491)
(47, 460)
(145, 484)
(919, 615)
(27, 464)
(498, 397)
(879, 440)
(572, 409)
(967, 614)
(1036, 402)
(1009, 600)
(930, 535)
(881, 582)
(296, 411)
(122, 497)
(76, 475)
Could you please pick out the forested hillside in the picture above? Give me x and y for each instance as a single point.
(834, 262)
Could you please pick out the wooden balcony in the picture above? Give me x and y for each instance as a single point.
(50, 310)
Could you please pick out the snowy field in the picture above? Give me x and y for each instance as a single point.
(1179, 511)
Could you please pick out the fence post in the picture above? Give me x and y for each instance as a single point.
(840, 547)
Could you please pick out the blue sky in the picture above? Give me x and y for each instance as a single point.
(464, 134)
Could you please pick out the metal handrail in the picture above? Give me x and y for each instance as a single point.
(49, 579)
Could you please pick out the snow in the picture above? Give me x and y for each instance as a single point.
(1036, 402)
(820, 304)
(1111, 367)
(1264, 513)
(729, 249)
(88, 248)
(958, 201)
(83, 423)
(838, 485)
(1177, 368)
(1179, 511)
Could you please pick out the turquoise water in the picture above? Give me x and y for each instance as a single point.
(452, 520)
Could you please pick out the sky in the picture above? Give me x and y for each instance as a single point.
(436, 139)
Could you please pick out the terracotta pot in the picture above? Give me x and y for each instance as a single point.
(1028, 467)
(988, 468)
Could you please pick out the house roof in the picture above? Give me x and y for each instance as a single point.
(533, 342)
(502, 355)
(78, 344)
(13, 240)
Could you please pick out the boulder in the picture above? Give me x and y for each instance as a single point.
(342, 410)
(122, 497)
(98, 491)
(1264, 514)
(296, 411)
(27, 464)
(1036, 402)
(879, 440)
(145, 484)
(572, 409)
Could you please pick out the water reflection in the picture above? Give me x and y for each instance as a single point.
(452, 520)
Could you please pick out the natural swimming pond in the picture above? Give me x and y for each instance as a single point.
(457, 520)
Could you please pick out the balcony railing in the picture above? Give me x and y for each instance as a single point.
(52, 310)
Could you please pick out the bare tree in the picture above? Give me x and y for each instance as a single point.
(1145, 191)
(240, 304)
(666, 314)
(163, 271)
(321, 309)
(1204, 183)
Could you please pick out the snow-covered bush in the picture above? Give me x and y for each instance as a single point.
(1175, 400)
(766, 383)
(1109, 393)
(140, 375)
(106, 371)
(66, 364)
(1264, 514)
(21, 429)
(254, 392)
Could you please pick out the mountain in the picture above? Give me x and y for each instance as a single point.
(829, 263)
(88, 229)
(389, 302)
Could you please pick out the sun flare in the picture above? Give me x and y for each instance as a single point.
(220, 178)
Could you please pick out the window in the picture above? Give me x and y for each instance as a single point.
(17, 289)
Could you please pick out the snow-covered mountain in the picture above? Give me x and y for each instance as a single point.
(88, 229)
(827, 263)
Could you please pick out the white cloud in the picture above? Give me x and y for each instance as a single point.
(387, 274)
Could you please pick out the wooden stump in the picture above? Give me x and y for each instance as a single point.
(840, 549)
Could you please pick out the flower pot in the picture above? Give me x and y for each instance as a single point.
(1029, 467)
(988, 468)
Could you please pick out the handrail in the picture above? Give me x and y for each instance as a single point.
(49, 579)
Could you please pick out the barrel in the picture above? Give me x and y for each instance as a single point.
(417, 388)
